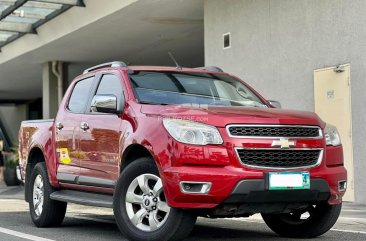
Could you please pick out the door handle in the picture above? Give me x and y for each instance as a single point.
(59, 126)
(84, 125)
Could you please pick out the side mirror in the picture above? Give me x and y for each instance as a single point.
(275, 104)
(104, 104)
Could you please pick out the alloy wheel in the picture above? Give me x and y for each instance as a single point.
(38, 195)
(146, 204)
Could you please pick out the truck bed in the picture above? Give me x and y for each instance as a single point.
(37, 121)
(31, 132)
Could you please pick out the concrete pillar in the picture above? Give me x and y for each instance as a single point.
(54, 78)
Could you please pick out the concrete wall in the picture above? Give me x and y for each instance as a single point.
(277, 44)
(11, 117)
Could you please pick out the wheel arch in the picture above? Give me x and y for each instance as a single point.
(35, 156)
(132, 153)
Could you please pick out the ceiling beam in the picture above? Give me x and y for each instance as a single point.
(79, 3)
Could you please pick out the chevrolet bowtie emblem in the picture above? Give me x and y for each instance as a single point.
(283, 143)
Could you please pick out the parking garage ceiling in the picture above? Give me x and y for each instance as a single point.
(20, 17)
(139, 32)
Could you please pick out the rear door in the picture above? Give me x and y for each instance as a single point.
(100, 141)
(67, 131)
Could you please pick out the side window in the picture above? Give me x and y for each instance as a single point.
(111, 85)
(79, 96)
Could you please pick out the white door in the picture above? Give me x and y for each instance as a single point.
(332, 92)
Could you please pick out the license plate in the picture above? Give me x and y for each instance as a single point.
(288, 180)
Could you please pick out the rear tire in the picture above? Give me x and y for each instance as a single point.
(141, 210)
(44, 211)
(307, 223)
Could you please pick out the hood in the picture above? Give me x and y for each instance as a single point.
(222, 116)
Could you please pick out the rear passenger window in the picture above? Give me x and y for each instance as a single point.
(79, 96)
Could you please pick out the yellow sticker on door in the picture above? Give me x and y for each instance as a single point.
(64, 156)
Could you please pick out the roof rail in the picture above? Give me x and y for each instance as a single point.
(114, 64)
(211, 68)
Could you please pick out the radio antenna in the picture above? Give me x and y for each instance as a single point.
(174, 60)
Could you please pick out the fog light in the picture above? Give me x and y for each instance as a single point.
(195, 187)
(342, 186)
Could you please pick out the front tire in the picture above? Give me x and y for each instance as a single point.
(307, 223)
(140, 207)
(44, 211)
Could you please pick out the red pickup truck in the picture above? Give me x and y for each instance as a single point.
(164, 145)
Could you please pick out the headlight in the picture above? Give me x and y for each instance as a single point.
(190, 132)
(332, 137)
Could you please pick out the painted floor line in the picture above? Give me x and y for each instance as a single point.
(347, 231)
(10, 200)
(23, 235)
(353, 219)
(353, 211)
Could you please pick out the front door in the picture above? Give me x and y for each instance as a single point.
(332, 92)
(100, 140)
(67, 126)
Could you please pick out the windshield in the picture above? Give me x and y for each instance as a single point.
(179, 88)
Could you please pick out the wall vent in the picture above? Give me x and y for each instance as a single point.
(227, 40)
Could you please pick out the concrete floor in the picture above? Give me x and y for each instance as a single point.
(89, 223)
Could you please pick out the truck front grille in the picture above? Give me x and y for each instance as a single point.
(280, 158)
(274, 131)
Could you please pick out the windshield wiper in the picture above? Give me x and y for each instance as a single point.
(152, 103)
(250, 103)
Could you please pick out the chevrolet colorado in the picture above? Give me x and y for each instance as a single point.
(164, 145)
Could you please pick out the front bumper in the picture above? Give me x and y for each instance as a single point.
(235, 185)
(254, 191)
